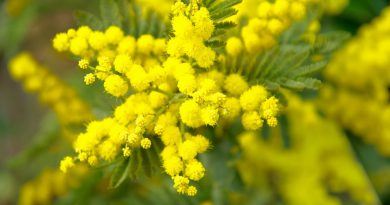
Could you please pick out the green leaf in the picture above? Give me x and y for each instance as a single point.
(120, 173)
(146, 163)
(124, 12)
(109, 12)
(225, 25)
(215, 44)
(309, 69)
(85, 18)
(223, 5)
(293, 84)
(329, 42)
(301, 83)
(208, 3)
(223, 14)
(135, 164)
(310, 83)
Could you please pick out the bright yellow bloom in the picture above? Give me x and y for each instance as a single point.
(78, 46)
(173, 165)
(83, 63)
(171, 135)
(190, 112)
(251, 99)
(97, 40)
(188, 150)
(235, 85)
(61, 42)
(234, 46)
(89, 78)
(145, 44)
(194, 170)
(146, 143)
(115, 85)
(113, 34)
(122, 63)
(66, 163)
(251, 120)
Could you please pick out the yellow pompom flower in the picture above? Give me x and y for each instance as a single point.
(201, 142)
(275, 26)
(298, 10)
(190, 114)
(188, 150)
(145, 44)
(281, 7)
(210, 115)
(192, 191)
(180, 183)
(251, 99)
(84, 63)
(194, 170)
(270, 107)
(78, 46)
(165, 120)
(204, 26)
(173, 165)
(127, 46)
(113, 34)
(234, 46)
(157, 99)
(264, 9)
(108, 150)
(159, 46)
(182, 26)
(187, 84)
(251, 120)
(252, 42)
(272, 122)
(146, 143)
(235, 85)
(84, 32)
(231, 108)
(66, 163)
(93, 160)
(171, 135)
(71, 32)
(97, 40)
(138, 77)
(122, 63)
(61, 42)
(168, 152)
(115, 85)
(126, 151)
(89, 78)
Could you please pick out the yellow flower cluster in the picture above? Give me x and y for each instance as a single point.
(37, 79)
(165, 97)
(114, 55)
(191, 30)
(49, 185)
(272, 19)
(358, 97)
(318, 161)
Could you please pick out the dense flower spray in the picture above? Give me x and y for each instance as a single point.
(169, 88)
